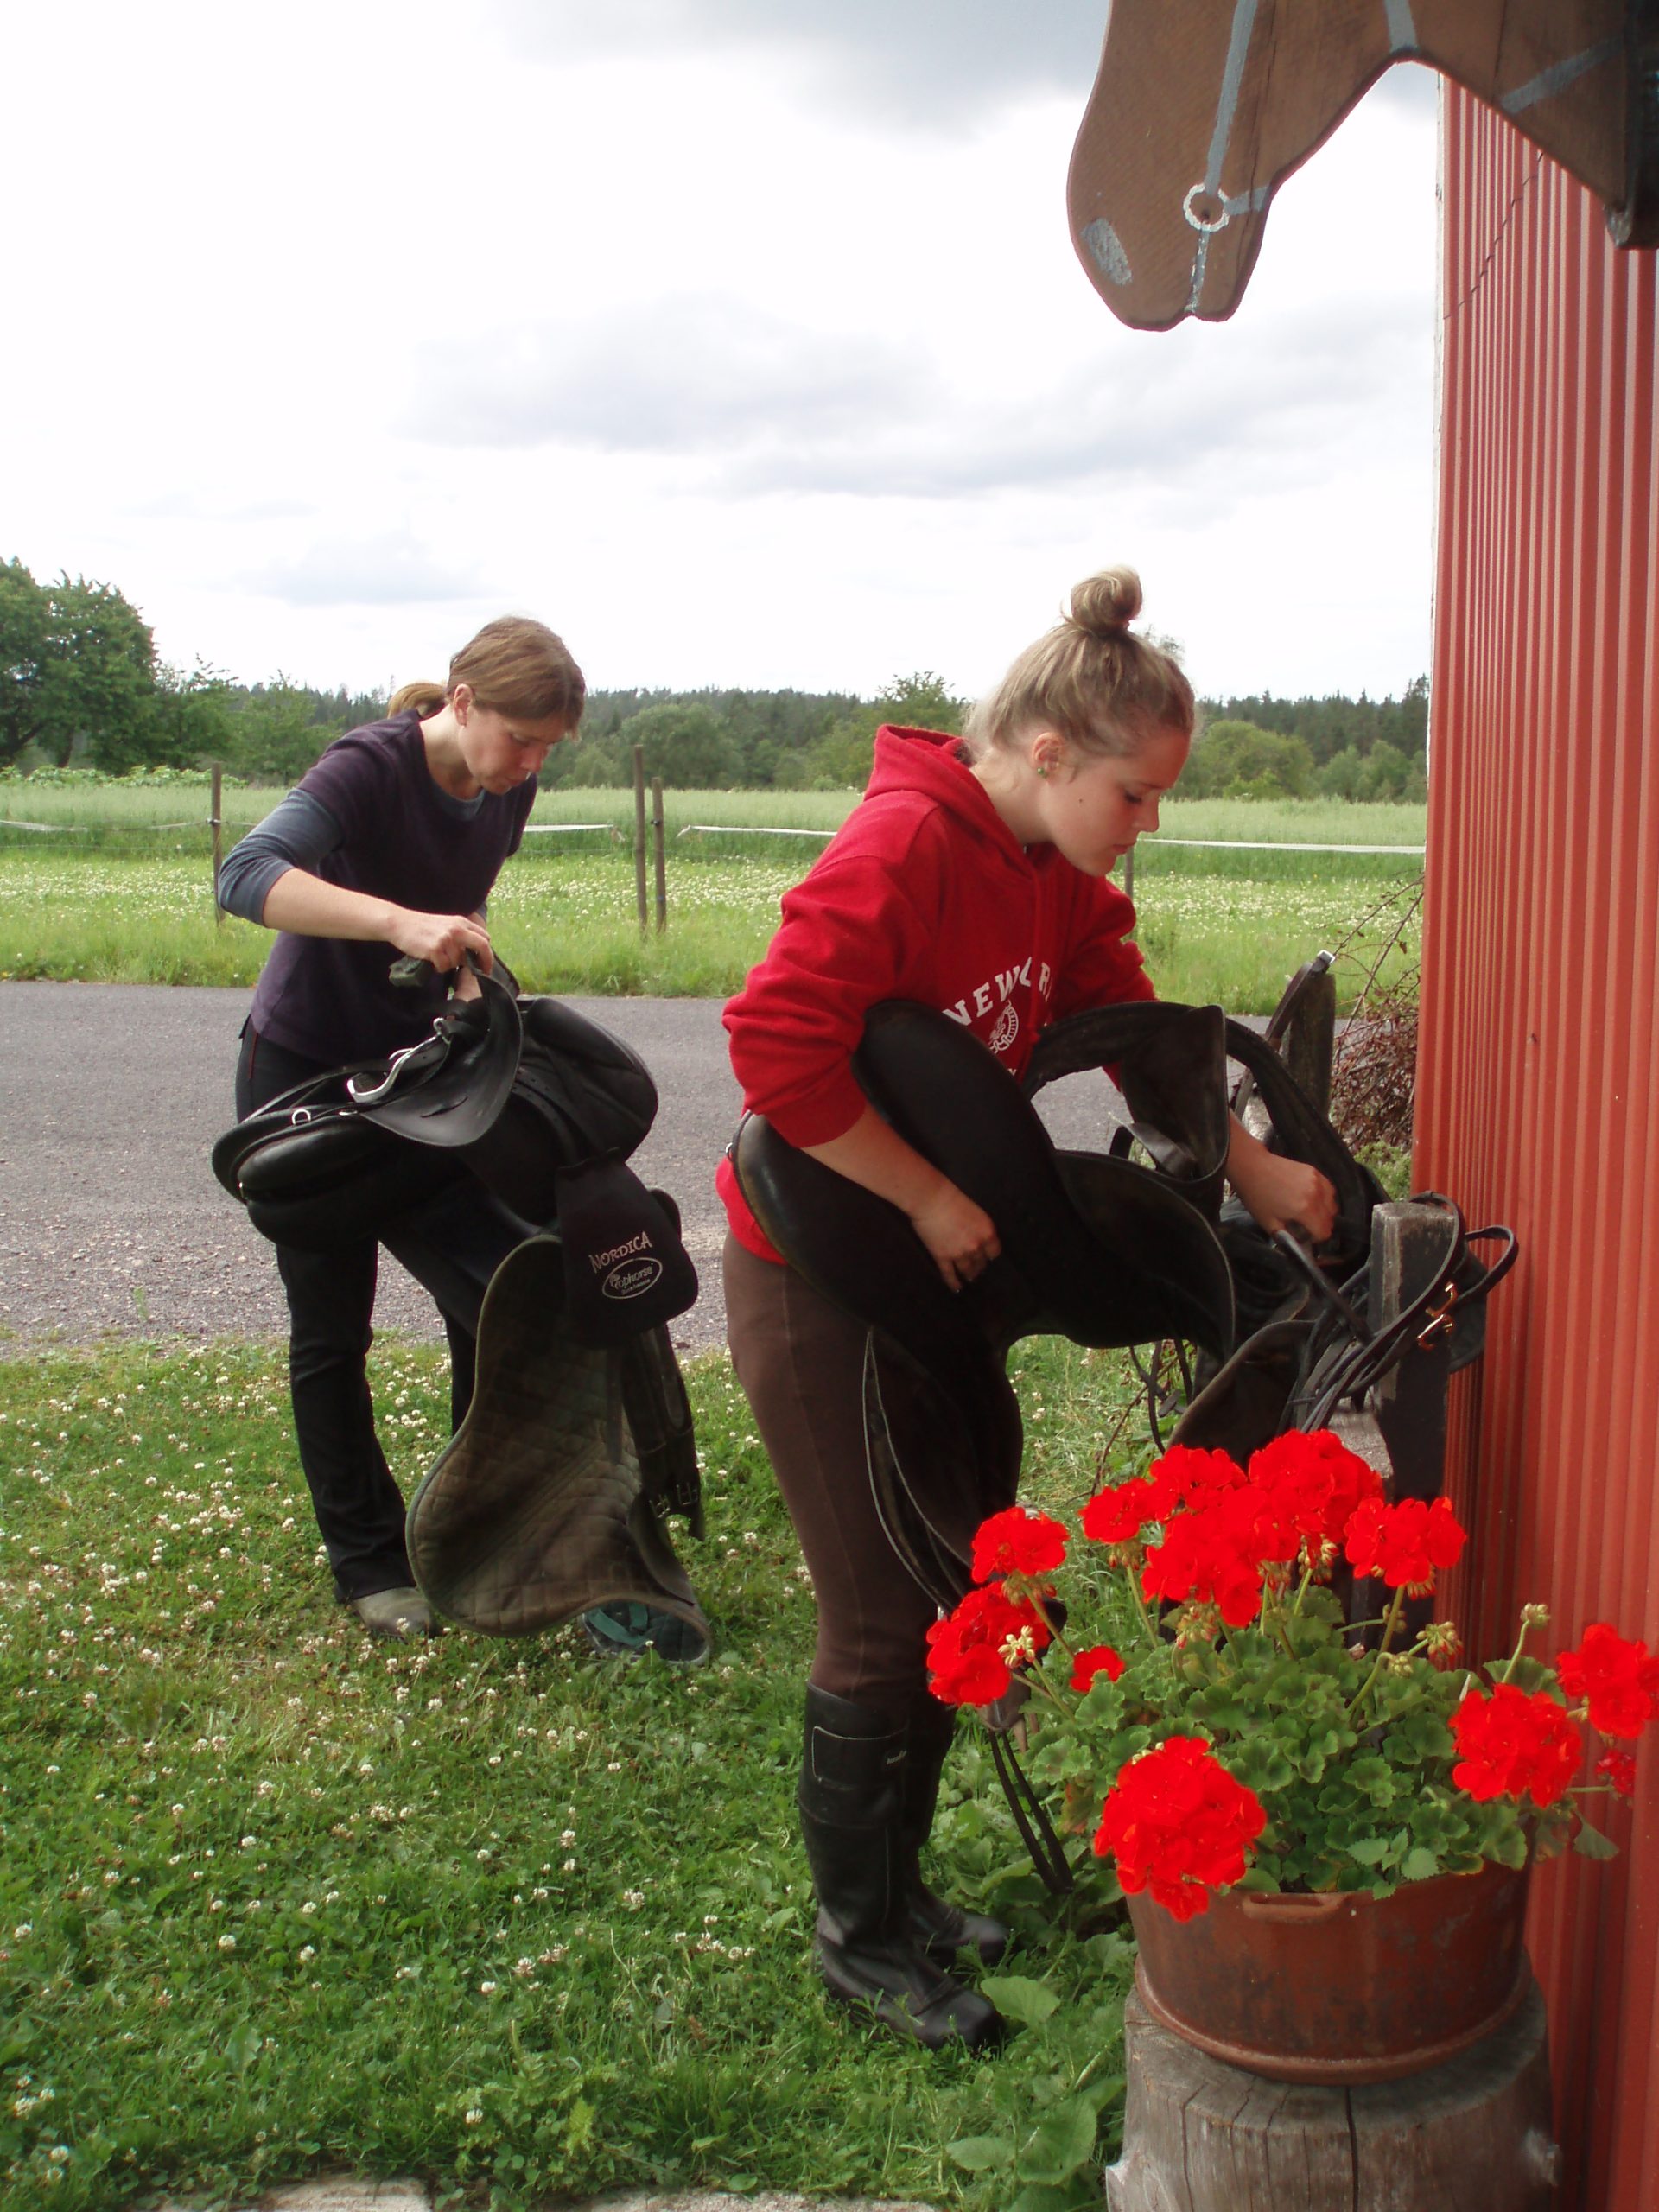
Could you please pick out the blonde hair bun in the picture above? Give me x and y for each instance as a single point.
(1102, 686)
(1103, 605)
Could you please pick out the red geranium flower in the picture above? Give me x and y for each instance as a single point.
(1187, 1476)
(1100, 1659)
(1617, 1768)
(1515, 1742)
(1177, 1824)
(1018, 1542)
(1183, 1476)
(1117, 1516)
(1316, 1480)
(1403, 1543)
(1617, 1676)
(968, 1652)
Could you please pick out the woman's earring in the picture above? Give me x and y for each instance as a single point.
(1042, 768)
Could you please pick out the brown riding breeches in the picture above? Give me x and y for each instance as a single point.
(800, 1361)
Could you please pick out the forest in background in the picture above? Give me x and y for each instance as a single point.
(81, 688)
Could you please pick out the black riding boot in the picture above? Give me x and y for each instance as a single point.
(942, 1929)
(852, 1819)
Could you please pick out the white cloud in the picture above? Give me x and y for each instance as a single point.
(671, 322)
(932, 63)
(688, 374)
(387, 570)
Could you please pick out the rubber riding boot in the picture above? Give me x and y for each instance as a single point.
(941, 1929)
(852, 1779)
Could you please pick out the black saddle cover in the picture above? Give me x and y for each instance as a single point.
(546, 1502)
(1094, 1247)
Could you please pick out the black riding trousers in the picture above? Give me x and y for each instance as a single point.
(451, 1246)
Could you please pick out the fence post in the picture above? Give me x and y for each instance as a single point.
(659, 854)
(639, 834)
(217, 821)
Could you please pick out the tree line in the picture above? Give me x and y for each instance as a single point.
(81, 685)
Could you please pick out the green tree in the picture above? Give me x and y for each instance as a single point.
(99, 687)
(842, 757)
(1238, 759)
(1386, 773)
(192, 715)
(921, 702)
(1342, 774)
(687, 746)
(274, 735)
(77, 672)
(25, 627)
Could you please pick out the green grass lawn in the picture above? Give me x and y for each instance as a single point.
(275, 1898)
(1222, 926)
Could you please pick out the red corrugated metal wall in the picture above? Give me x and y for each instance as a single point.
(1539, 1091)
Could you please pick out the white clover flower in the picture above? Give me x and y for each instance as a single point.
(308, 1952)
(227, 1943)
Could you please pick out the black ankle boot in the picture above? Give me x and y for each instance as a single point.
(851, 1800)
(942, 1929)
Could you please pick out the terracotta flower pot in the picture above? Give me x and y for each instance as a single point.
(1339, 1988)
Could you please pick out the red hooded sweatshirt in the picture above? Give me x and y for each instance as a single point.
(924, 893)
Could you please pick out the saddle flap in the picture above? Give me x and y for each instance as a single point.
(1170, 1063)
(453, 1103)
(536, 1512)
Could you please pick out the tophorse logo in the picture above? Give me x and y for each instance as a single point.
(632, 1279)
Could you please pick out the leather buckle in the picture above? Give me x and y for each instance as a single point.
(1442, 1318)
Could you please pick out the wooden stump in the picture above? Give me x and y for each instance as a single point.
(1473, 2135)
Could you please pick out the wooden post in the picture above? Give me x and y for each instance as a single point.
(639, 834)
(658, 853)
(1474, 2135)
(217, 824)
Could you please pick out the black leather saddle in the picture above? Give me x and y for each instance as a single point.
(1097, 1248)
(513, 1113)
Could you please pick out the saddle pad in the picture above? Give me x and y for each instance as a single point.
(536, 1512)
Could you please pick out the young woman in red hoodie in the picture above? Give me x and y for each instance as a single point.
(974, 877)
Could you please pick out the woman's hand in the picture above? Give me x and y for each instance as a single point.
(960, 1236)
(1280, 1194)
(443, 939)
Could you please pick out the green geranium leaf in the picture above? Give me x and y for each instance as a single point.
(1373, 1778)
(1260, 1764)
(1016, 1998)
(1419, 1865)
(1369, 1850)
(1591, 1842)
(981, 2154)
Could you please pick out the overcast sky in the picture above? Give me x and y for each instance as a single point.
(742, 340)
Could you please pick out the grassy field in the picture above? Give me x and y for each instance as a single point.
(277, 1899)
(115, 905)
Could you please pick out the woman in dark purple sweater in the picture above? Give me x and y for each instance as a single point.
(389, 845)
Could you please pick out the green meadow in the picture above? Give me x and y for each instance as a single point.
(277, 1899)
(117, 888)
